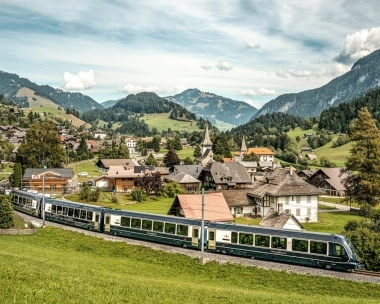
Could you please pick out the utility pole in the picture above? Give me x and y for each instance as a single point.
(43, 198)
(202, 260)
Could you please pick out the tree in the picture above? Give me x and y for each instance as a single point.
(171, 159)
(156, 143)
(41, 146)
(17, 175)
(150, 183)
(363, 165)
(171, 189)
(151, 161)
(6, 212)
(197, 151)
(220, 145)
(251, 157)
(188, 161)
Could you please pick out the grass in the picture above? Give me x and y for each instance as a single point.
(331, 222)
(56, 266)
(161, 122)
(85, 166)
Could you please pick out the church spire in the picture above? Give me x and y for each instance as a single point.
(242, 149)
(207, 143)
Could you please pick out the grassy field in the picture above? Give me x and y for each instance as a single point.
(57, 266)
(331, 222)
(336, 155)
(161, 122)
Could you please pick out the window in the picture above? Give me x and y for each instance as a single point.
(308, 211)
(278, 242)
(125, 221)
(70, 212)
(234, 237)
(136, 223)
(211, 236)
(158, 226)
(97, 217)
(287, 211)
(195, 232)
(182, 230)
(262, 240)
(83, 214)
(107, 219)
(53, 208)
(298, 199)
(147, 225)
(170, 228)
(318, 247)
(300, 245)
(298, 211)
(339, 250)
(59, 209)
(76, 213)
(286, 199)
(89, 215)
(309, 198)
(246, 238)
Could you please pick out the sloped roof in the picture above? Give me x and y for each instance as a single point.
(237, 197)
(258, 151)
(108, 162)
(215, 206)
(246, 164)
(283, 182)
(123, 171)
(62, 172)
(193, 170)
(235, 170)
(308, 173)
(275, 220)
(335, 183)
(182, 178)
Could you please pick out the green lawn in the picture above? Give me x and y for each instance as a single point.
(85, 166)
(331, 222)
(57, 266)
(161, 122)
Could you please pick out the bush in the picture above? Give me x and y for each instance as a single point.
(138, 195)
(366, 211)
(172, 189)
(6, 212)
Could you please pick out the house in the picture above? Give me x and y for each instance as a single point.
(187, 182)
(224, 176)
(284, 220)
(98, 134)
(104, 164)
(329, 180)
(263, 153)
(131, 144)
(193, 170)
(305, 174)
(52, 180)
(239, 202)
(284, 191)
(306, 149)
(307, 135)
(104, 183)
(311, 156)
(190, 206)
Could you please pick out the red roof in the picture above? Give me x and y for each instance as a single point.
(215, 209)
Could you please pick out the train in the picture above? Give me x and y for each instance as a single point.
(311, 249)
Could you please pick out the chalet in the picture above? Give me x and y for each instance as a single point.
(311, 156)
(124, 176)
(307, 135)
(104, 183)
(104, 164)
(53, 180)
(193, 170)
(305, 174)
(187, 182)
(284, 191)
(306, 149)
(239, 202)
(263, 153)
(284, 220)
(329, 180)
(190, 206)
(219, 176)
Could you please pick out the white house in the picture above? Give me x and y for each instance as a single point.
(131, 144)
(98, 134)
(284, 191)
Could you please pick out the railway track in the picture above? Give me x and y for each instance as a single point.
(367, 273)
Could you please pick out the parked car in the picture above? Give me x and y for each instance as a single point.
(83, 174)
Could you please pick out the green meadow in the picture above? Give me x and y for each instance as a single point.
(161, 122)
(58, 266)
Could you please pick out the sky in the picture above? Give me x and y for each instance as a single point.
(251, 51)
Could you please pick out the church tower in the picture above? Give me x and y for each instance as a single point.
(243, 149)
(206, 144)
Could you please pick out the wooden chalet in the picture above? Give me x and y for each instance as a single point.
(329, 180)
(239, 202)
(124, 176)
(187, 182)
(104, 164)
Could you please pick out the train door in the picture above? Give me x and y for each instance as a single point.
(195, 237)
(107, 227)
(97, 220)
(211, 239)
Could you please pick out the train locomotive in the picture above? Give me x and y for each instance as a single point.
(305, 248)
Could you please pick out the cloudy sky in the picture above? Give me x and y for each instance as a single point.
(245, 50)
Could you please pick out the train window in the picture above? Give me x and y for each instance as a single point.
(158, 226)
(246, 238)
(97, 217)
(278, 242)
(170, 228)
(195, 232)
(76, 213)
(339, 250)
(136, 223)
(53, 209)
(300, 245)
(83, 214)
(262, 240)
(89, 215)
(108, 219)
(182, 230)
(146, 225)
(59, 209)
(234, 237)
(65, 210)
(125, 221)
(318, 247)
(70, 212)
(211, 236)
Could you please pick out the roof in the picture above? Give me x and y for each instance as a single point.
(193, 170)
(237, 197)
(108, 162)
(162, 170)
(311, 156)
(182, 178)
(335, 177)
(62, 172)
(275, 220)
(123, 171)
(246, 164)
(308, 173)
(235, 171)
(215, 206)
(102, 177)
(206, 141)
(283, 182)
(258, 151)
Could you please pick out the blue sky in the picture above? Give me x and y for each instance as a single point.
(245, 50)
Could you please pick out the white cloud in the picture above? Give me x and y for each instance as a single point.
(248, 92)
(359, 44)
(281, 73)
(206, 66)
(179, 88)
(223, 65)
(264, 91)
(82, 81)
(133, 89)
(253, 103)
(252, 45)
(299, 73)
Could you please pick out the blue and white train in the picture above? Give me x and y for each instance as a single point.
(306, 248)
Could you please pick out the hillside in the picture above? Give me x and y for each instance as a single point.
(10, 85)
(109, 103)
(216, 109)
(363, 76)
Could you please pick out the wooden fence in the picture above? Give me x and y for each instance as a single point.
(17, 231)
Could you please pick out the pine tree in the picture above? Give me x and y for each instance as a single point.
(6, 212)
(151, 161)
(363, 165)
(171, 159)
(197, 151)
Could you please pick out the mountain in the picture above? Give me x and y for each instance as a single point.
(11, 84)
(109, 103)
(217, 109)
(363, 76)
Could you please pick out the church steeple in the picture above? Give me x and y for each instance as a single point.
(242, 149)
(207, 143)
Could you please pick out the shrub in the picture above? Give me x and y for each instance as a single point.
(6, 212)
(138, 195)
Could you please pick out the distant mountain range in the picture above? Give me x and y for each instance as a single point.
(363, 76)
(10, 84)
(217, 109)
(110, 103)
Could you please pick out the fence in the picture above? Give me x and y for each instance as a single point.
(17, 231)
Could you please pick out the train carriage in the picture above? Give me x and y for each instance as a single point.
(283, 245)
(26, 202)
(170, 230)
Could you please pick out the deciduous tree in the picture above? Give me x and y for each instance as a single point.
(171, 159)
(6, 212)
